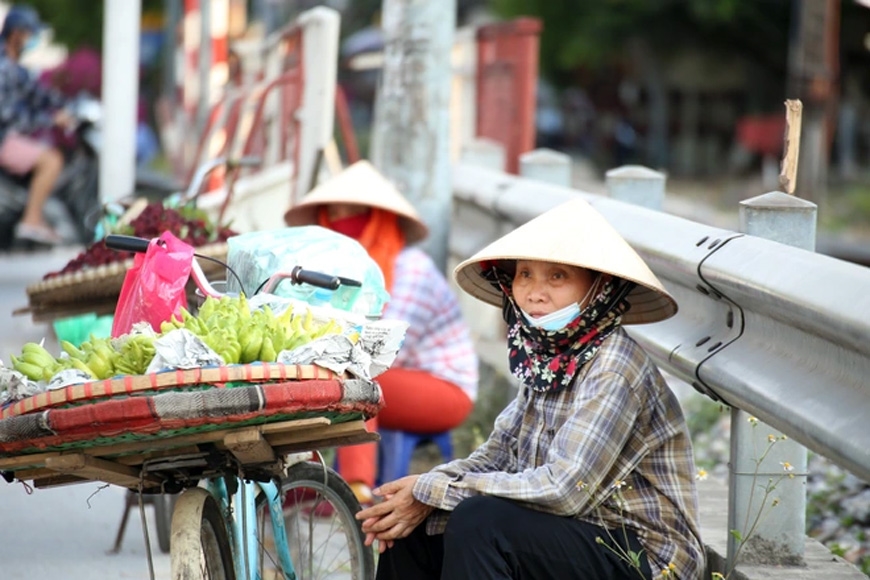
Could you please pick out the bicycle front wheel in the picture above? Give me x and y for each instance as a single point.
(324, 538)
(199, 546)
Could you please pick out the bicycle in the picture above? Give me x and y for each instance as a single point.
(231, 520)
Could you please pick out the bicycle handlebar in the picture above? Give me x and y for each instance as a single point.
(126, 243)
(297, 275)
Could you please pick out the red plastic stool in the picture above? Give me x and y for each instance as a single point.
(396, 447)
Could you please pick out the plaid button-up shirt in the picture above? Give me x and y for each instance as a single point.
(611, 449)
(25, 105)
(437, 340)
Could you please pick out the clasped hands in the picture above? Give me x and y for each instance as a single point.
(396, 516)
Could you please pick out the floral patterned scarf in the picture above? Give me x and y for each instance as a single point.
(549, 360)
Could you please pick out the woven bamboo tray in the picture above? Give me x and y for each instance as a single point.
(252, 414)
(126, 385)
(96, 289)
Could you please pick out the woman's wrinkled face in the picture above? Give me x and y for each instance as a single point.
(540, 288)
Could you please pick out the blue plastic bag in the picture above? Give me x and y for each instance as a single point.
(256, 256)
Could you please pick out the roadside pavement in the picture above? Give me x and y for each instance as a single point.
(62, 533)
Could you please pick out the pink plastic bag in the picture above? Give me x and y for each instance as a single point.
(153, 288)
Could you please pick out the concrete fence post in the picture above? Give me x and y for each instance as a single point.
(319, 41)
(546, 165)
(767, 478)
(637, 185)
(483, 152)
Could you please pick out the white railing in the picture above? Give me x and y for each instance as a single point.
(777, 331)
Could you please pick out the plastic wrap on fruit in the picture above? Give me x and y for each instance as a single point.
(181, 349)
(373, 351)
(68, 377)
(382, 340)
(14, 386)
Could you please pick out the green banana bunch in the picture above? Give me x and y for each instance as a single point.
(100, 357)
(35, 362)
(225, 344)
(251, 340)
(135, 354)
(238, 334)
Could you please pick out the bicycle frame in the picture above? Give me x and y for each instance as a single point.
(242, 525)
(239, 508)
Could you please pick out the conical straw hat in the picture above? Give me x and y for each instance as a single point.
(359, 184)
(572, 233)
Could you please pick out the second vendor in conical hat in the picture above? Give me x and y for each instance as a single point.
(592, 459)
(432, 385)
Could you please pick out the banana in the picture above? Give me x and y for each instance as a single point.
(251, 339)
(331, 327)
(124, 367)
(34, 354)
(32, 347)
(243, 309)
(77, 364)
(208, 307)
(168, 326)
(30, 371)
(100, 366)
(267, 352)
(72, 350)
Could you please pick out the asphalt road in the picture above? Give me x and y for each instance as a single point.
(63, 533)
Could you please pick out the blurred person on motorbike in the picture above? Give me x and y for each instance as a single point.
(25, 107)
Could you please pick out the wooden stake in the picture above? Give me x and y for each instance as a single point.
(788, 174)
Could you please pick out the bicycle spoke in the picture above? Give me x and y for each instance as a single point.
(324, 539)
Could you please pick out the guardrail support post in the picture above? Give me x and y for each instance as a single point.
(779, 534)
(637, 185)
(546, 165)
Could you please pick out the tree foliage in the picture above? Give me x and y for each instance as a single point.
(78, 23)
(593, 33)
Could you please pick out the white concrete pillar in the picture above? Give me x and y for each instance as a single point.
(546, 165)
(120, 98)
(320, 53)
(778, 536)
(637, 185)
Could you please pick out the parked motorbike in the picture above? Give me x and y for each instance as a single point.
(74, 209)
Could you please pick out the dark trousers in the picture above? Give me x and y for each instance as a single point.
(494, 538)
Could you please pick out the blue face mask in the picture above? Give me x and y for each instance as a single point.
(555, 320)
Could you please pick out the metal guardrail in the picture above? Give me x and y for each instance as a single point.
(779, 332)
